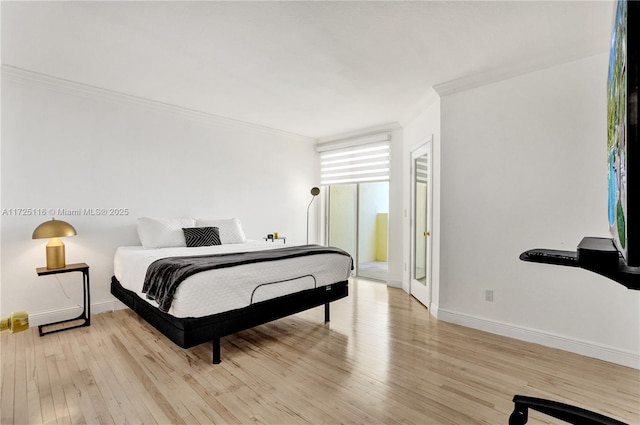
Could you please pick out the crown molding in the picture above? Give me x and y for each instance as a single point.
(361, 133)
(24, 76)
(506, 72)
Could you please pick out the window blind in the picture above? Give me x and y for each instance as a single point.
(364, 160)
(422, 170)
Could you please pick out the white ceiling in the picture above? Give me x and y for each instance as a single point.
(311, 68)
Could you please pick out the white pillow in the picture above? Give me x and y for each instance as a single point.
(230, 229)
(163, 232)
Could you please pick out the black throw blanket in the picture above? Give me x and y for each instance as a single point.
(165, 275)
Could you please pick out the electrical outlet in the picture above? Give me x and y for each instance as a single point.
(488, 295)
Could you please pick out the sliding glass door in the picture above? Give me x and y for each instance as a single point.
(358, 223)
(343, 200)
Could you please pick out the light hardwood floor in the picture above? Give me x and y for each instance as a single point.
(382, 359)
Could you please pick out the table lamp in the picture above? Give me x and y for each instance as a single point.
(54, 229)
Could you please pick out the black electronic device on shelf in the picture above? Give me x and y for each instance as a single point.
(551, 256)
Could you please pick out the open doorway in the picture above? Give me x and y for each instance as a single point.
(358, 222)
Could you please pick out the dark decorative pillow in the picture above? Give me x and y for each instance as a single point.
(201, 236)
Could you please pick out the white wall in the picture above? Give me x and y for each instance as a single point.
(524, 166)
(396, 237)
(67, 146)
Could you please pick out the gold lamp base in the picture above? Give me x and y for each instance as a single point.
(16, 322)
(55, 254)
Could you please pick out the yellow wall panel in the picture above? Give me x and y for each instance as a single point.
(382, 236)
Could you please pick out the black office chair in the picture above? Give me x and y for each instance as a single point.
(571, 414)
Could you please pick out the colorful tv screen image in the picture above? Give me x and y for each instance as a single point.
(617, 131)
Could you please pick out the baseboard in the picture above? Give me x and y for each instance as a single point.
(433, 309)
(52, 316)
(394, 283)
(577, 346)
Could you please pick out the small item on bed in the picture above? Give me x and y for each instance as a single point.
(201, 236)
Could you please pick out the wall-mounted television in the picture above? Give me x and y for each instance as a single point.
(622, 132)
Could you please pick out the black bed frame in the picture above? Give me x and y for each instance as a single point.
(188, 332)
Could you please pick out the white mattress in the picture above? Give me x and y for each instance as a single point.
(219, 290)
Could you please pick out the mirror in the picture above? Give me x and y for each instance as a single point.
(421, 185)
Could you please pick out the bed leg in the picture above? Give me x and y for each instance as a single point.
(326, 312)
(216, 350)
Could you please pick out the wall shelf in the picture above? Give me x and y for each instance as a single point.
(598, 255)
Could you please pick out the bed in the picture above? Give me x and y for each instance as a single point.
(199, 293)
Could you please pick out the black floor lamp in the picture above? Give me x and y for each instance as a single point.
(314, 192)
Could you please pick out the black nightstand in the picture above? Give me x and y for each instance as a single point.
(86, 313)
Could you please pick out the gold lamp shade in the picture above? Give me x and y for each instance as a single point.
(54, 229)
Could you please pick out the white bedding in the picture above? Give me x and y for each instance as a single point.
(219, 290)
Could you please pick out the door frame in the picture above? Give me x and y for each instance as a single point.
(419, 291)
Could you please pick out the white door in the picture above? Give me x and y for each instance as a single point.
(421, 195)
